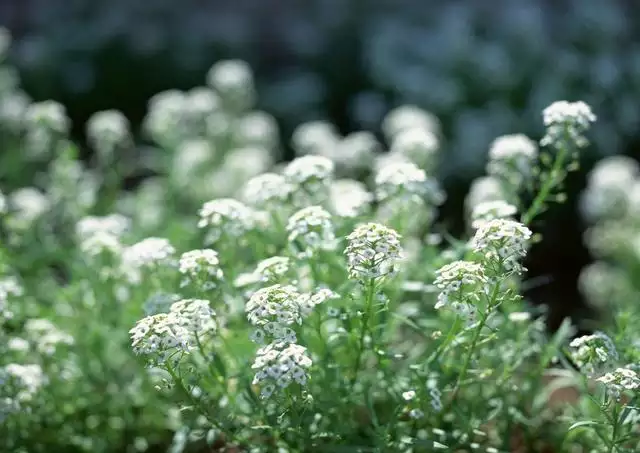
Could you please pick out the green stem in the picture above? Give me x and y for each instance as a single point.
(549, 183)
(365, 327)
(614, 433)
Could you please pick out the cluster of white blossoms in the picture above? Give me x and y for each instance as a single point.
(26, 379)
(462, 284)
(147, 253)
(9, 287)
(310, 230)
(273, 269)
(279, 364)
(620, 380)
(165, 335)
(272, 310)
(502, 243)
(405, 181)
(268, 191)
(349, 198)
(45, 121)
(566, 123)
(106, 130)
(226, 217)
(311, 178)
(408, 117)
(309, 301)
(233, 81)
(115, 224)
(201, 267)
(511, 159)
(593, 353)
(609, 188)
(46, 336)
(373, 251)
(491, 210)
(418, 145)
(27, 205)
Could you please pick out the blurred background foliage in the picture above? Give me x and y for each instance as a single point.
(485, 68)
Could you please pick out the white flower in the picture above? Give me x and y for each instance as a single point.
(620, 380)
(196, 315)
(417, 144)
(409, 395)
(28, 378)
(28, 205)
(115, 224)
(567, 121)
(257, 129)
(406, 181)
(48, 114)
(485, 188)
(462, 284)
(407, 117)
(511, 159)
(416, 414)
(200, 266)
(274, 304)
(101, 242)
(279, 364)
(315, 137)
(311, 177)
(609, 189)
(490, 210)
(592, 353)
(17, 344)
(310, 230)
(107, 129)
(502, 243)
(233, 80)
(160, 336)
(149, 252)
(273, 269)
(46, 336)
(308, 301)
(372, 251)
(226, 217)
(267, 191)
(349, 198)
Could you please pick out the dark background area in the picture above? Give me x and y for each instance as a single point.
(484, 68)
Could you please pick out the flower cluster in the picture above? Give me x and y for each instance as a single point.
(566, 123)
(278, 365)
(268, 191)
(511, 159)
(164, 336)
(273, 269)
(349, 198)
(200, 267)
(226, 217)
(593, 353)
(311, 178)
(107, 130)
(9, 287)
(28, 379)
(462, 285)
(308, 301)
(491, 210)
(620, 380)
(502, 244)
(274, 307)
(372, 252)
(407, 182)
(46, 336)
(310, 230)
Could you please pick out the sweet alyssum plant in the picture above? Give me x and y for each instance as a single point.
(231, 303)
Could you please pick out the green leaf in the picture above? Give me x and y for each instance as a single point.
(582, 424)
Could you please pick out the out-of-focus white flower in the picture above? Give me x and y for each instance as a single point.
(315, 137)
(308, 301)
(511, 159)
(491, 210)
(279, 364)
(417, 144)
(233, 81)
(310, 230)
(373, 251)
(407, 117)
(257, 129)
(46, 336)
(349, 198)
(27, 205)
(273, 269)
(406, 181)
(593, 353)
(48, 114)
(267, 191)
(609, 188)
(226, 217)
(409, 395)
(114, 224)
(502, 243)
(190, 160)
(355, 152)
(28, 379)
(148, 252)
(566, 124)
(108, 129)
(485, 188)
(17, 344)
(311, 178)
(202, 267)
